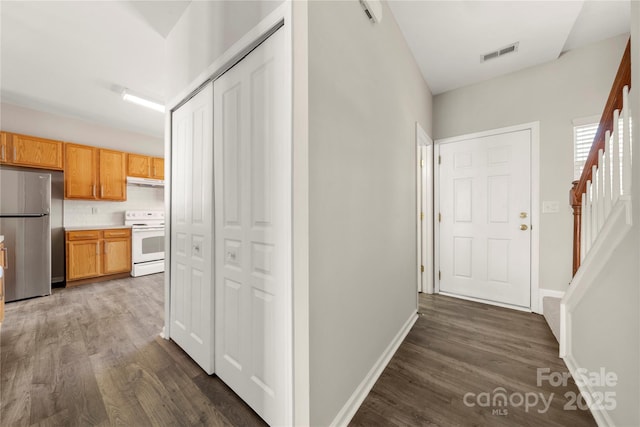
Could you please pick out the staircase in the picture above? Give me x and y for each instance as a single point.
(589, 319)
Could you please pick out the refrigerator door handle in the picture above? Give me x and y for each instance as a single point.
(38, 215)
(5, 260)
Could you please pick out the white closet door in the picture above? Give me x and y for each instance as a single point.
(191, 228)
(252, 163)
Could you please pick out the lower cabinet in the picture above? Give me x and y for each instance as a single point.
(97, 254)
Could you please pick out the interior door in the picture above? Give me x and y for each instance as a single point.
(192, 228)
(485, 228)
(252, 163)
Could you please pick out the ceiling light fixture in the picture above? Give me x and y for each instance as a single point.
(137, 99)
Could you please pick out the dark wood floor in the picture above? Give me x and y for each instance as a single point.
(91, 355)
(459, 348)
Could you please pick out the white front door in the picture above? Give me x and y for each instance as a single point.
(192, 228)
(485, 226)
(252, 163)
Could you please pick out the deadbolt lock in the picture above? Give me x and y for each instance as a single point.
(523, 214)
(523, 227)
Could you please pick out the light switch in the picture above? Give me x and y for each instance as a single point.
(550, 207)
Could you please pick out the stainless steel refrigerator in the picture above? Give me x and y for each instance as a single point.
(25, 204)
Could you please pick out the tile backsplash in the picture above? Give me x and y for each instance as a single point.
(85, 212)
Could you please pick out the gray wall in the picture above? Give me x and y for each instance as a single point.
(204, 32)
(47, 125)
(574, 86)
(365, 95)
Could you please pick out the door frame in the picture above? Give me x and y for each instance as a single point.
(534, 127)
(280, 18)
(424, 226)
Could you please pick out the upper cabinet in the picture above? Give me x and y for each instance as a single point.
(138, 165)
(158, 168)
(144, 166)
(31, 151)
(94, 174)
(80, 178)
(90, 173)
(113, 175)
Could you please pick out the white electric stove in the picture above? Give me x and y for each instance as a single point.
(147, 241)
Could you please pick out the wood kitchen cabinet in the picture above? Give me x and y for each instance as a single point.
(142, 166)
(117, 251)
(113, 175)
(31, 151)
(94, 173)
(80, 177)
(96, 255)
(83, 254)
(4, 147)
(157, 171)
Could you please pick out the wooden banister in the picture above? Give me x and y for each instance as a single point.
(614, 102)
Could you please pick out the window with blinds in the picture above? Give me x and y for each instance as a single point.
(583, 136)
(582, 139)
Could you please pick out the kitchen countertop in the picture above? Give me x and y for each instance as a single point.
(95, 227)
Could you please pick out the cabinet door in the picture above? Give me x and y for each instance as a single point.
(113, 175)
(158, 168)
(4, 147)
(80, 172)
(83, 259)
(117, 255)
(36, 152)
(138, 165)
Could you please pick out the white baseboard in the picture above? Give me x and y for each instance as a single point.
(601, 416)
(353, 404)
(547, 293)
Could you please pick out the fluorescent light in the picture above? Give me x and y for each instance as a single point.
(127, 96)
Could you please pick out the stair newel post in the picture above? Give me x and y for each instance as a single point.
(576, 204)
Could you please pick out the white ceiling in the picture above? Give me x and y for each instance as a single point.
(74, 57)
(447, 38)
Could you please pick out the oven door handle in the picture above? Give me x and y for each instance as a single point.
(141, 230)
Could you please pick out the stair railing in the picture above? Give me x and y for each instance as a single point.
(606, 177)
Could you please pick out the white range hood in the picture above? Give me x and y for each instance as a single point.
(146, 182)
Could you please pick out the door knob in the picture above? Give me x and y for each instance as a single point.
(523, 227)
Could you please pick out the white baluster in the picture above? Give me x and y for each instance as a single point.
(589, 212)
(600, 191)
(583, 228)
(605, 163)
(615, 156)
(595, 211)
(626, 144)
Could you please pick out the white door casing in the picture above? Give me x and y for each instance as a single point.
(252, 163)
(424, 197)
(484, 200)
(192, 228)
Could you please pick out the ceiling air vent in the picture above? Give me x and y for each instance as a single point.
(500, 52)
